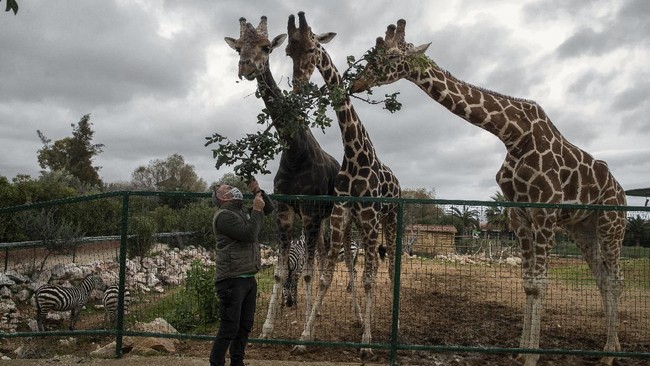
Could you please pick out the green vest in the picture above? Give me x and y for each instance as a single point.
(236, 258)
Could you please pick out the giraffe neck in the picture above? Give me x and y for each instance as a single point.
(354, 135)
(480, 107)
(301, 143)
(270, 93)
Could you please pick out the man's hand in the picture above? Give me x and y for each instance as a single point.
(253, 186)
(258, 202)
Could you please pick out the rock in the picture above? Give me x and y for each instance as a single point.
(141, 344)
(7, 306)
(17, 277)
(152, 280)
(514, 261)
(144, 351)
(33, 325)
(24, 295)
(68, 342)
(5, 292)
(41, 279)
(5, 280)
(108, 351)
(19, 351)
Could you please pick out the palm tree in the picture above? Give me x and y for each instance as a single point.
(637, 229)
(467, 218)
(497, 216)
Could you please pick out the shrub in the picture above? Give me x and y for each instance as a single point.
(141, 229)
(197, 304)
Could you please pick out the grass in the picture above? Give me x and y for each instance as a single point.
(635, 271)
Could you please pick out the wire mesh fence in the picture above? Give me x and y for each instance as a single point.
(460, 278)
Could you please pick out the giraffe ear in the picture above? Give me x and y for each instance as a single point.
(278, 40)
(231, 42)
(419, 49)
(325, 37)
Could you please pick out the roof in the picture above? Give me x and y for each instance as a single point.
(639, 192)
(432, 228)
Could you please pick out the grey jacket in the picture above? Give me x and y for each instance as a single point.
(236, 230)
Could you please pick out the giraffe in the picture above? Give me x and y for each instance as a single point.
(362, 174)
(304, 168)
(541, 166)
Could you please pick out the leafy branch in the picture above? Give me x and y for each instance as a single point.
(356, 69)
(12, 5)
(290, 113)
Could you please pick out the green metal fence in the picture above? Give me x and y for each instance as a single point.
(457, 286)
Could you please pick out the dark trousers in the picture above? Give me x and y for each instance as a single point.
(237, 297)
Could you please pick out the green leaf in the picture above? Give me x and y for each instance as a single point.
(12, 5)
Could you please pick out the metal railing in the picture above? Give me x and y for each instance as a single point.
(393, 345)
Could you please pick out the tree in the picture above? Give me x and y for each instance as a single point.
(466, 219)
(421, 213)
(172, 174)
(232, 180)
(73, 154)
(497, 216)
(637, 230)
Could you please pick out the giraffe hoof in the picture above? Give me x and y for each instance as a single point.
(366, 354)
(299, 350)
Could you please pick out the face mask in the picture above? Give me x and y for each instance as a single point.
(236, 194)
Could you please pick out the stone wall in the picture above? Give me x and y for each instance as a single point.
(166, 268)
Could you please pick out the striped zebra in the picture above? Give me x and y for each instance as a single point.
(354, 247)
(60, 298)
(297, 258)
(352, 270)
(110, 300)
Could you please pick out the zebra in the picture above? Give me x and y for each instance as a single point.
(110, 300)
(354, 248)
(297, 258)
(60, 298)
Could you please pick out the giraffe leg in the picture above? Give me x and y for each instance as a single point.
(285, 226)
(601, 252)
(314, 230)
(536, 241)
(338, 217)
(369, 277)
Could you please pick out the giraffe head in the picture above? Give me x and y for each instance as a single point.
(391, 59)
(303, 48)
(253, 47)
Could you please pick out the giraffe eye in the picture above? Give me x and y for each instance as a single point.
(311, 50)
(238, 50)
(266, 49)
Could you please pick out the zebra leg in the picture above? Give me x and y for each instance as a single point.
(349, 261)
(74, 316)
(285, 226)
(40, 319)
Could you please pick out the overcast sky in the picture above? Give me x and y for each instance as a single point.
(157, 78)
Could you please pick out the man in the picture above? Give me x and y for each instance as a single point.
(238, 260)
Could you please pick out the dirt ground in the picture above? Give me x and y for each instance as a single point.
(442, 304)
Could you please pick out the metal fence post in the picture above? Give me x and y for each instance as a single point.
(396, 283)
(120, 303)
